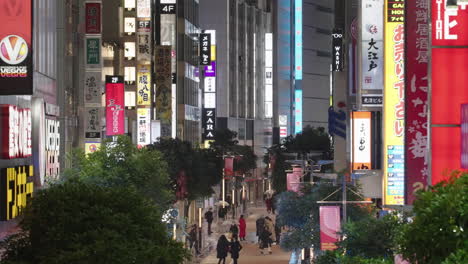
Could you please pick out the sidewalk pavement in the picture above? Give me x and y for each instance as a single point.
(250, 253)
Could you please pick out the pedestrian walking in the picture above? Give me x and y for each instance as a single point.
(259, 225)
(268, 203)
(271, 230)
(193, 238)
(234, 230)
(222, 249)
(235, 248)
(242, 228)
(277, 232)
(209, 219)
(264, 241)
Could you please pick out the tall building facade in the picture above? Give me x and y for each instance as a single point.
(302, 54)
(29, 104)
(244, 67)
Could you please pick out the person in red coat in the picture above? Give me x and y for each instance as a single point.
(242, 227)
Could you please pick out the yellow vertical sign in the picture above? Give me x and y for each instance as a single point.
(394, 105)
(144, 85)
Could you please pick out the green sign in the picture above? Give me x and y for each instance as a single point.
(93, 47)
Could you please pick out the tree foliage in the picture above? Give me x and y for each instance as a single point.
(201, 167)
(300, 213)
(372, 237)
(439, 228)
(121, 163)
(310, 140)
(337, 257)
(77, 222)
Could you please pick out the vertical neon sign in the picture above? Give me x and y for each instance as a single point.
(298, 112)
(298, 39)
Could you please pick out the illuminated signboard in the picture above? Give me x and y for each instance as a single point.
(208, 123)
(129, 50)
(92, 122)
(93, 18)
(205, 49)
(115, 114)
(416, 98)
(92, 88)
(16, 188)
(449, 93)
(129, 4)
(52, 149)
(449, 23)
(16, 132)
(298, 39)
(144, 85)
(143, 127)
(268, 75)
(361, 140)
(91, 147)
(394, 105)
(337, 50)
(298, 111)
(129, 25)
(16, 47)
(372, 44)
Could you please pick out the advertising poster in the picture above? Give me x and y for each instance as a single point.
(93, 18)
(163, 84)
(361, 140)
(394, 104)
(115, 109)
(16, 73)
(144, 85)
(93, 52)
(92, 122)
(92, 89)
(416, 106)
(143, 127)
(372, 30)
(329, 227)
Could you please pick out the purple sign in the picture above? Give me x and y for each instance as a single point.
(210, 70)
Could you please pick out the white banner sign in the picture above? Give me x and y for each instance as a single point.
(92, 88)
(372, 44)
(144, 127)
(143, 8)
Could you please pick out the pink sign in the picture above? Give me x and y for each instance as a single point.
(399, 260)
(464, 136)
(115, 106)
(329, 227)
(416, 141)
(229, 166)
(292, 182)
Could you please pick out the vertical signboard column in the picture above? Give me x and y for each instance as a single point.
(167, 9)
(416, 106)
(163, 82)
(298, 66)
(394, 103)
(92, 82)
(448, 80)
(115, 105)
(207, 57)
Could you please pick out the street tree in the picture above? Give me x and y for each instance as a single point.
(438, 231)
(77, 222)
(121, 163)
(300, 213)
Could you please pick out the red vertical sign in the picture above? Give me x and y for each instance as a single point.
(115, 107)
(16, 47)
(416, 104)
(93, 18)
(329, 227)
(229, 166)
